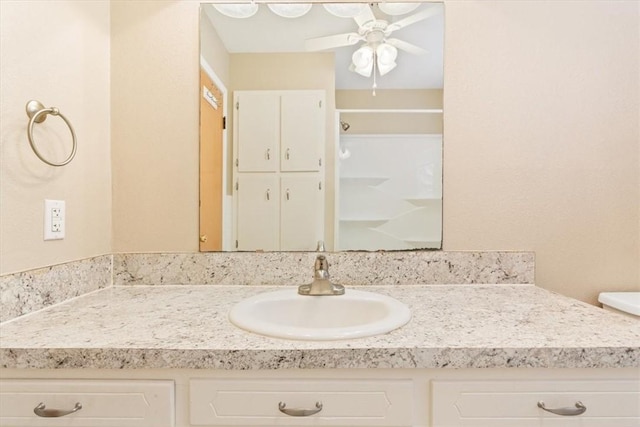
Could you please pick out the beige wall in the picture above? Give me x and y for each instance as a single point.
(58, 53)
(154, 113)
(212, 49)
(391, 123)
(541, 138)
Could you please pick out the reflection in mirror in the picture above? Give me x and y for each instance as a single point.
(321, 126)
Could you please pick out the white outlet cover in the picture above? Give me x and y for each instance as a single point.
(54, 219)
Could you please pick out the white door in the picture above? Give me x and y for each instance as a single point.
(258, 221)
(303, 126)
(257, 131)
(302, 211)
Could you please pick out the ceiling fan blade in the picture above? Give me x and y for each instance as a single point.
(365, 16)
(412, 19)
(329, 42)
(407, 47)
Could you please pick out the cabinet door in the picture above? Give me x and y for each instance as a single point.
(348, 403)
(257, 131)
(258, 221)
(515, 403)
(303, 126)
(302, 211)
(91, 403)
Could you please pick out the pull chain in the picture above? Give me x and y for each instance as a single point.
(375, 60)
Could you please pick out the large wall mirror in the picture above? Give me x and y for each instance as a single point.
(321, 126)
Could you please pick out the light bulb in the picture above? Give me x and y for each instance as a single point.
(289, 10)
(386, 58)
(345, 10)
(240, 10)
(363, 61)
(386, 53)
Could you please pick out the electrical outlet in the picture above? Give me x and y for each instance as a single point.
(54, 216)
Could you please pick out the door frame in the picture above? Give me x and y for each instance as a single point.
(227, 202)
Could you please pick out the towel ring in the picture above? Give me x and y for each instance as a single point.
(38, 114)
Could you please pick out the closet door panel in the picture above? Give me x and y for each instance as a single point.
(302, 137)
(258, 219)
(302, 211)
(257, 131)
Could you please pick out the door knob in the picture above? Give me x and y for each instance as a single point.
(203, 238)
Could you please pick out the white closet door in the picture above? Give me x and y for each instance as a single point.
(258, 212)
(302, 212)
(258, 131)
(302, 138)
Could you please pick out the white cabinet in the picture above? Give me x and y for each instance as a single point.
(302, 211)
(279, 212)
(257, 131)
(279, 175)
(344, 397)
(279, 130)
(87, 403)
(515, 403)
(302, 127)
(258, 211)
(243, 402)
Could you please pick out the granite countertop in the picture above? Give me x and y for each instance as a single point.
(453, 326)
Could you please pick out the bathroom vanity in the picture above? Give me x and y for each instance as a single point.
(472, 355)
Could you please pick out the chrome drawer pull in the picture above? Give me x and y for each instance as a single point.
(579, 409)
(41, 411)
(299, 412)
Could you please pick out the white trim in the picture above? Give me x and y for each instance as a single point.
(212, 74)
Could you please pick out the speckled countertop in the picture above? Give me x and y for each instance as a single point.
(456, 326)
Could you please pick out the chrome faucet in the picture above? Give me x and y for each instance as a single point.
(321, 284)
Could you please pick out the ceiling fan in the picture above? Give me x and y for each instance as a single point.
(379, 50)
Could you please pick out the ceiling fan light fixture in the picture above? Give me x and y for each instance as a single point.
(386, 58)
(385, 68)
(363, 56)
(395, 9)
(363, 61)
(237, 10)
(386, 54)
(290, 10)
(345, 10)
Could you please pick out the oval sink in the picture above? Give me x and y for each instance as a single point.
(286, 314)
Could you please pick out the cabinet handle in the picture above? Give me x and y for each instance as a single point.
(41, 411)
(268, 153)
(287, 194)
(579, 409)
(268, 195)
(287, 154)
(299, 412)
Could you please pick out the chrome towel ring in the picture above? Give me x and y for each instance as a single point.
(38, 114)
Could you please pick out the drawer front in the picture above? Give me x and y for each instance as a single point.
(105, 403)
(344, 403)
(515, 403)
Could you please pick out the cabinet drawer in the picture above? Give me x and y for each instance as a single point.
(105, 403)
(344, 403)
(515, 403)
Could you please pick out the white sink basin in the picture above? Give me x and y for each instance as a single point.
(285, 314)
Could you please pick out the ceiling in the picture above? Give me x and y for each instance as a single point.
(267, 32)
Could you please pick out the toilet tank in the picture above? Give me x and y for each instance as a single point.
(622, 302)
